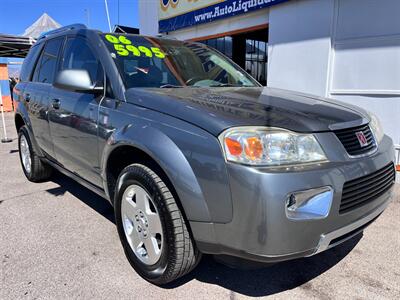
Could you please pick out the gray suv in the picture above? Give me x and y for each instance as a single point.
(195, 155)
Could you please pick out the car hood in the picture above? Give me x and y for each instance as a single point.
(215, 109)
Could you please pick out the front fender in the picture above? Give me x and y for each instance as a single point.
(170, 158)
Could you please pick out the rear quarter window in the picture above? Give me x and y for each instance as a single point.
(29, 62)
(47, 64)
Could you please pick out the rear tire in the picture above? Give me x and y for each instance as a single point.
(177, 254)
(34, 168)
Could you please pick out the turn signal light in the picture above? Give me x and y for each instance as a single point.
(253, 148)
(234, 147)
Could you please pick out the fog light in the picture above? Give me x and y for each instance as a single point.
(309, 204)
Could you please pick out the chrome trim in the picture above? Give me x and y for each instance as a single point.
(325, 240)
(373, 151)
(312, 204)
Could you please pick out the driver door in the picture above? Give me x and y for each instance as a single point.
(73, 115)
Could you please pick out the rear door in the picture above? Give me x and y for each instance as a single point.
(36, 94)
(25, 76)
(73, 115)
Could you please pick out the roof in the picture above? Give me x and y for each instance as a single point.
(43, 24)
(15, 46)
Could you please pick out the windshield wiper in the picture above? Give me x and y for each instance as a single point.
(169, 86)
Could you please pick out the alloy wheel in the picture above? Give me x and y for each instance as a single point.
(142, 224)
(25, 154)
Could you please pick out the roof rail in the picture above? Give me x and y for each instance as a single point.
(62, 29)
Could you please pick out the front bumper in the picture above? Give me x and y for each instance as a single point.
(260, 228)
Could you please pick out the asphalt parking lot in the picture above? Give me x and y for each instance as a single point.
(58, 240)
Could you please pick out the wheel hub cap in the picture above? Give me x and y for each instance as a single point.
(142, 224)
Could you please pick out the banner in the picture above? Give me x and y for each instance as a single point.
(176, 14)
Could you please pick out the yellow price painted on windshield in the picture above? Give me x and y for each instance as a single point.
(112, 39)
(135, 51)
(121, 50)
(124, 47)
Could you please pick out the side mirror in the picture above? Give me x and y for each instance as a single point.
(76, 80)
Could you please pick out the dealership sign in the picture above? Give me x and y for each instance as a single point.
(176, 14)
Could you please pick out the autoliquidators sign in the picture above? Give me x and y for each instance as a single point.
(176, 14)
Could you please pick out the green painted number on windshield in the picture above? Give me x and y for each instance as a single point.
(124, 47)
(112, 39)
(135, 51)
(121, 50)
(146, 51)
(157, 52)
(124, 40)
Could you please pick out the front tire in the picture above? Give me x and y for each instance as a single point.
(151, 227)
(34, 168)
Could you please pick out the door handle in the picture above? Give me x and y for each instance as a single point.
(27, 97)
(56, 103)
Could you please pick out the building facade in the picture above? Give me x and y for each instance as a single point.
(5, 92)
(344, 49)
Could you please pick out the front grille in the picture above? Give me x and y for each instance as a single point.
(349, 139)
(365, 189)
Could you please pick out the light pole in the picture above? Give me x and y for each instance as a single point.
(87, 14)
(108, 15)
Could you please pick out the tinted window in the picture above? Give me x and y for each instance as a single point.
(78, 55)
(29, 62)
(47, 65)
(152, 62)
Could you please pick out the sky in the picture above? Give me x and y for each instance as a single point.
(17, 15)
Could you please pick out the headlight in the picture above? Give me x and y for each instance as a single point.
(270, 146)
(376, 128)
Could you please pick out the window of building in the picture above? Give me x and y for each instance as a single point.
(222, 44)
(256, 60)
(249, 50)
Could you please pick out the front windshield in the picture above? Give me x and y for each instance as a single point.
(147, 62)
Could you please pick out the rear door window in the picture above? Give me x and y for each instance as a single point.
(46, 67)
(29, 62)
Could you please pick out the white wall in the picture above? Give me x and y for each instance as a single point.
(344, 49)
(148, 16)
(299, 45)
(366, 59)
